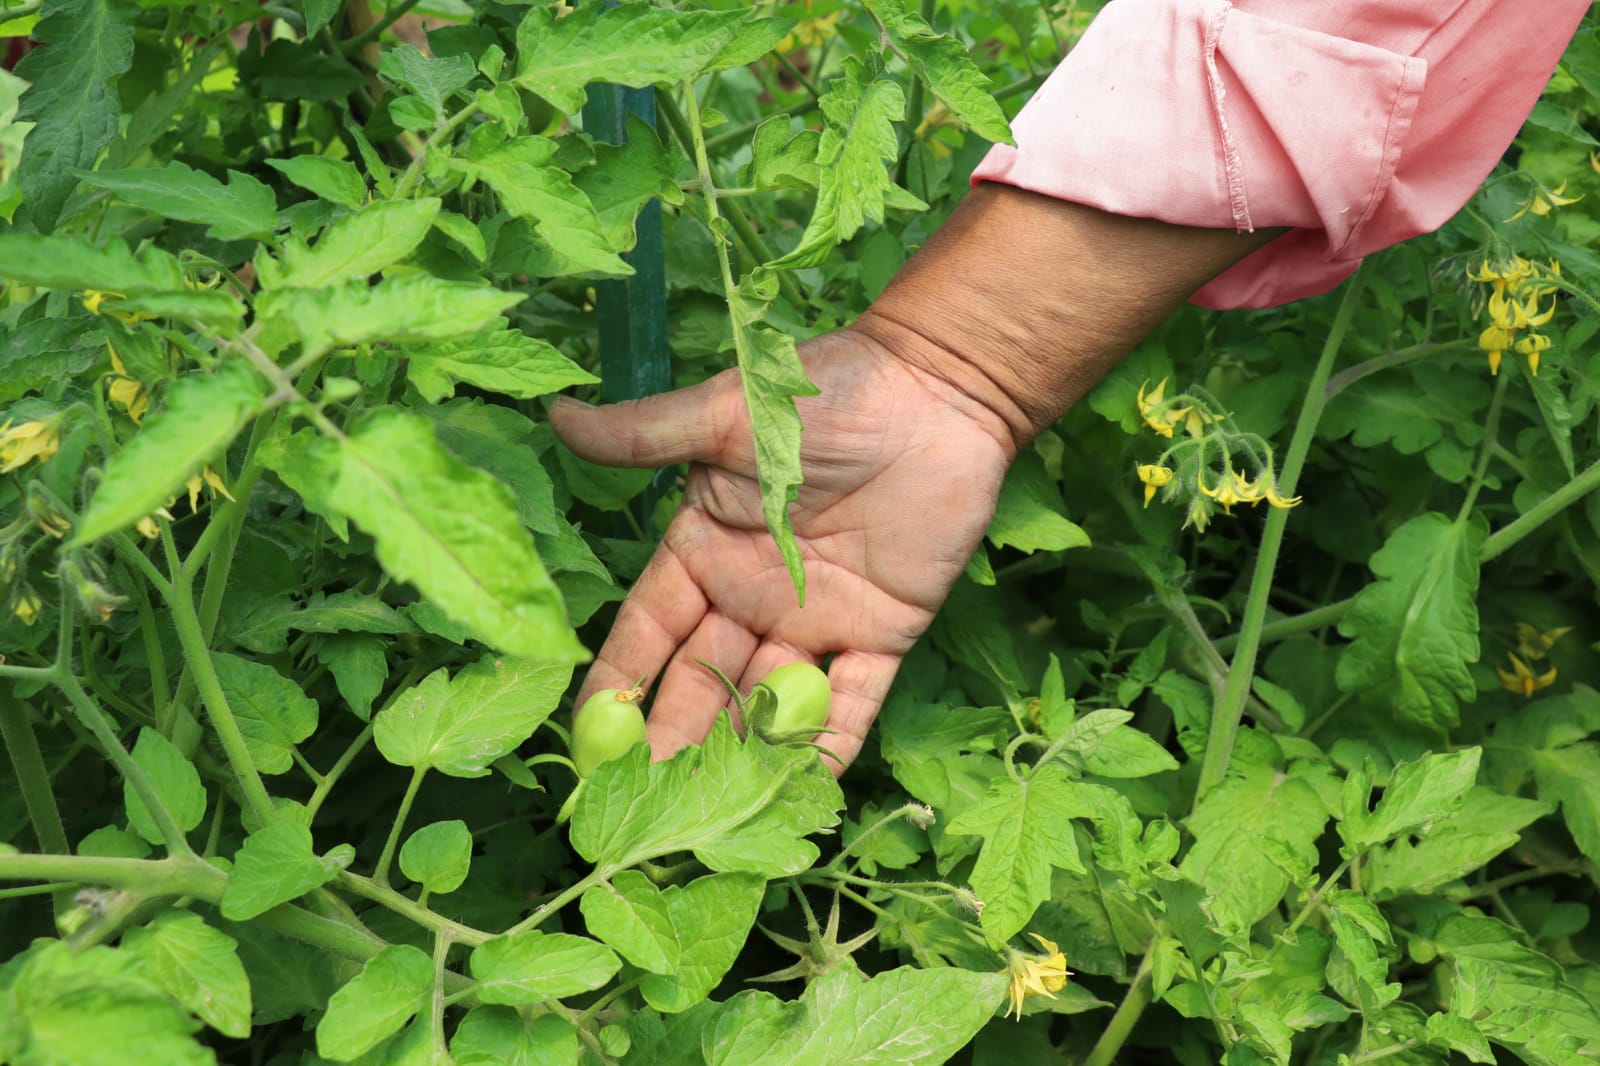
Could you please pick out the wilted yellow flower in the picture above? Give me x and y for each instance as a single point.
(27, 607)
(209, 478)
(1533, 645)
(1522, 680)
(147, 527)
(1034, 976)
(22, 444)
(1154, 476)
(1543, 200)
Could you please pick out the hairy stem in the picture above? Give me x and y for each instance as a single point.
(33, 777)
(1127, 1015)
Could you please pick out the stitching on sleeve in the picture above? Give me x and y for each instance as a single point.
(1231, 164)
(1390, 157)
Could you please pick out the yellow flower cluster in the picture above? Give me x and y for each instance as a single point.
(1517, 286)
(1036, 976)
(1164, 415)
(20, 445)
(1532, 646)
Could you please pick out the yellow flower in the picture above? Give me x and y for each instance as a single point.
(1149, 409)
(27, 607)
(1522, 680)
(1154, 476)
(93, 298)
(1543, 200)
(1032, 976)
(207, 477)
(20, 445)
(1534, 645)
(126, 392)
(1226, 491)
(811, 31)
(1531, 346)
(1495, 340)
(147, 527)
(1199, 514)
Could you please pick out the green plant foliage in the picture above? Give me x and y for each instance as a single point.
(296, 580)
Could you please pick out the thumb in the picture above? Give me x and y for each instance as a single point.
(703, 423)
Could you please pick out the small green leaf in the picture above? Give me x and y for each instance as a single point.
(276, 865)
(501, 1036)
(176, 783)
(1570, 776)
(632, 44)
(437, 856)
(501, 360)
(210, 307)
(452, 531)
(630, 915)
(711, 918)
(397, 310)
(356, 246)
(1455, 1033)
(942, 62)
(779, 161)
(1419, 793)
(431, 79)
(73, 104)
(319, 13)
(459, 725)
(1030, 515)
(626, 176)
(73, 263)
(375, 1003)
(201, 416)
(532, 967)
(359, 667)
(1026, 833)
(1415, 628)
(273, 714)
(1487, 824)
(243, 208)
(335, 180)
(197, 966)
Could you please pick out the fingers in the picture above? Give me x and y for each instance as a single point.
(663, 609)
(702, 423)
(689, 697)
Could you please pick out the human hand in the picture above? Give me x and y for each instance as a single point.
(902, 471)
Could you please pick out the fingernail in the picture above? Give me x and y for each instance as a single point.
(571, 403)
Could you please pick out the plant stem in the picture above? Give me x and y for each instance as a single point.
(1491, 433)
(413, 173)
(595, 877)
(331, 778)
(388, 898)
(204, 672)
(176, 875)
(1349, 376)
(33, 777)
(1504, 538)
(372, 32)
(380, 873)
(1230, 708)
(1284, 628)
(1133, 1005)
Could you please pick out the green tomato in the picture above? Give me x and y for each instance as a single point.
(608, 724)
(802, 695)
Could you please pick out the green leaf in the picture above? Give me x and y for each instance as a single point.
(1571, 777)
(942, 62)
(1415, 629)
(319, 13)
(398, 310)
(531, 967)
(307, 464)
(212, 307)
(500, 360)
(356, 246)
(501, 1036)
(711, 918)
(1025, 830)
(359, 668)
(44, 350)
(523, 175)
(1419, 793)
(273, 714)
(1407, 410)
(1453, 1032)
(626, 176)
(1128, 753)
(276, 865)
(375, 1003)
(772, 376)
(1230, 825)
(266, 627)
(499, 441)
(1030, 515)
(1487, 823)
(709, 799)
(860, 109)
(197, 966)
(909, 1017)
(74, 263)
(630, 915)
(243, 208)
(1357, 970)
(335, 180)
(431, 79)
(459, 725)
(87, 46)
(90, 1008)
(779, 161)
(201, 416)
(438, 855)
(453, 532)
(631, 44)
(176, 783)
(464, 232)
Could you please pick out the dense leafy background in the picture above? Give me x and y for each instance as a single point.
(297, 579)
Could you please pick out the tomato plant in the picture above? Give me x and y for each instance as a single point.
(296, 577)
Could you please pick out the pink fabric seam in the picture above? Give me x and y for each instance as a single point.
(1234, 169)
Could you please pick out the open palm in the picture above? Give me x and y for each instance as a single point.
(902, 472)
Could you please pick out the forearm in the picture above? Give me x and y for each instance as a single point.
(1024, 302)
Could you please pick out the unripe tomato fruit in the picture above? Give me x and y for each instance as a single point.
(802, 693)
(608, 724)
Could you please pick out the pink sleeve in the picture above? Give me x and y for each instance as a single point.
(1359, 123)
